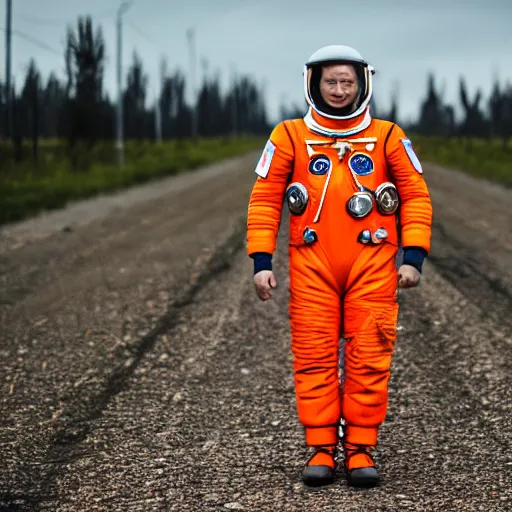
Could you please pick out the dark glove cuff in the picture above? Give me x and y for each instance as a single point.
(414, 256)
(262, 261)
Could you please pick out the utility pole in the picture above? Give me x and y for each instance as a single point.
(159, 123)
(158, 119)
(158, 107)
(8, 79)
(120, 120)
(191, 42)
(234, 100)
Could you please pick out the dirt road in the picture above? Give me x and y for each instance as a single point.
(139, 372)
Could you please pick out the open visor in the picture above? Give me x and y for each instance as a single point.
(312, 74)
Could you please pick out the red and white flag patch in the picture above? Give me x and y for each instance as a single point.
(265, 160)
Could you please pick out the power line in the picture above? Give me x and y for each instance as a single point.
(54, 22)
(37, 42)
(34, 40)
(143, 35)
(46, 23)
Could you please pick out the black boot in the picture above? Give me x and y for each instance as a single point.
(315, 474)
(366, 476)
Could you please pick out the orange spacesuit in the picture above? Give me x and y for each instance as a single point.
(346, 182)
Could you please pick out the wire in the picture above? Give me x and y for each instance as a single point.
(47, 23)
(142, 34)
(101, 15)
(33, 40)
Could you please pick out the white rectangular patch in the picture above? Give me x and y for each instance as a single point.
(265, 160)
(412, 155)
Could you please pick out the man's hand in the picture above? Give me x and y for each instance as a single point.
(264, 281)
(408, 276)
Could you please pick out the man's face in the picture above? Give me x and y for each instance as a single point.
(338, 85)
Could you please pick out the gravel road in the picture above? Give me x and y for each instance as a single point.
(139, 371)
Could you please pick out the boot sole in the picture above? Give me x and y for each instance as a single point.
(318, 480)
(364, 481)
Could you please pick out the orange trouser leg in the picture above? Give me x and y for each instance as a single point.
(315, 324)
(370, 317)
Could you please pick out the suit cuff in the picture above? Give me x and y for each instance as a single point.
(414, 256)
(262, 261)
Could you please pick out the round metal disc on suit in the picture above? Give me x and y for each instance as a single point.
(360, 205)
(387, 199)
(361, 164)
(381, 234)
(365, 237)
(319, 165)
(297, 198)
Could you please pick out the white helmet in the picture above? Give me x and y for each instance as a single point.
(331, 55)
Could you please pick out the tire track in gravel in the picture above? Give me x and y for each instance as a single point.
(473, 275)
(75, 429)
(457, 392)
(472, 238)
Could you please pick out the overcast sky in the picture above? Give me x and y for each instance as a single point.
(271, 40)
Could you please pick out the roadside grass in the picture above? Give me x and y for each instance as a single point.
(489, 159)
(61, 176)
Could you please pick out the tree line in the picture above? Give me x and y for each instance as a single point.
(484, 118)
(79, 109)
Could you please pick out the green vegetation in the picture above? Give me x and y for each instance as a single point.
(61, 176)
(490, 159)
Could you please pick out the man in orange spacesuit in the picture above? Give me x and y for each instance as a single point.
(355, 192)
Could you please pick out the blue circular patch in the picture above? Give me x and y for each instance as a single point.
(319, 165)
(361, 164)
